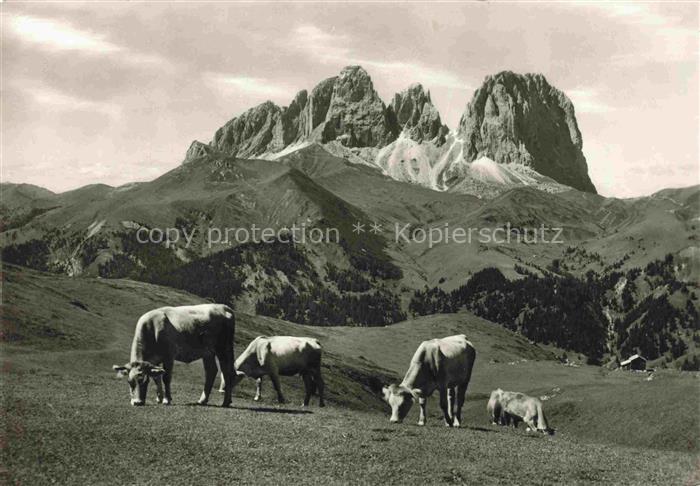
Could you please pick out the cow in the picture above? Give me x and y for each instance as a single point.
(282, 356)
(443, 364)
(495, 409)
(511, 408)
(186, 334)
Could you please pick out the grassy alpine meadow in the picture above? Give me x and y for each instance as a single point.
(67, 418)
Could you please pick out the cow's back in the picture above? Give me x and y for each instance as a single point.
(456, 358)
(293, 354)
(191, 331)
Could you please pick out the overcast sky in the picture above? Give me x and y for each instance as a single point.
(115, 92)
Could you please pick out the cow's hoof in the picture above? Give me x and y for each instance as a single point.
(167, 402)
(256, 399)
(226, 405)
(321, 404)
(221, 390)
(421, 424)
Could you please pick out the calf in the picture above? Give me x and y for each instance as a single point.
(282, 356)
(511, 408)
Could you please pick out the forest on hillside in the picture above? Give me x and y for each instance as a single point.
(597, 315)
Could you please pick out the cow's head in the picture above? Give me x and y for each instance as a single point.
(255, 356)
(138, 374)
(400, 398)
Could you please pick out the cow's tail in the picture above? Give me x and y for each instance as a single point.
(229, 336)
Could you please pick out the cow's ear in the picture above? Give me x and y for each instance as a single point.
(121, 370)
(385, 393)
(155, 371)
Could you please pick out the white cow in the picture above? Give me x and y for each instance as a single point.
(443, 364)
(285, 356)
(511, 408)
(186, 334)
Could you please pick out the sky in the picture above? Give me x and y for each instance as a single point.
(116, 92)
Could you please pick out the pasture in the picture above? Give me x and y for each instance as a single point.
(67, 418)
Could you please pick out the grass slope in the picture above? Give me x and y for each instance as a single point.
(67, 418)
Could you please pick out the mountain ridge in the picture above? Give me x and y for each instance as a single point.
(512, 119)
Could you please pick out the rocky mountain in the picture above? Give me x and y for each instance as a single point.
(343, 109)
(522, 119)
(519, 122)
(418, 116)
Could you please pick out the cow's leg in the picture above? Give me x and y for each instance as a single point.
(226, 364)
(159, 388)
(320, 385)
(276, 384)
(222, 385)
(461, 392)
(422, 402)
(443, 405)
(210, 372)
(258, 389)
(451, 403)
(529, 421)
(308, 388)
(167, 380)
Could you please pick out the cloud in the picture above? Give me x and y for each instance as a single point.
(332, 48)
(52, 35)
(228, 83)
(669, 41)
(55, 36)
(59, 101)
(321, 45)
(586, 101)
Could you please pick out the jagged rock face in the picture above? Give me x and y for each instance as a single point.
(197, 149)
(357, 117)
(252, 133)
(517, 118)
(317, 107)
(417, 115)
(345, 108)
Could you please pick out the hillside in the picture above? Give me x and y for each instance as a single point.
(58, 383)
(362, 279)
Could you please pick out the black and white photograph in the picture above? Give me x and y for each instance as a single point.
(350, 242)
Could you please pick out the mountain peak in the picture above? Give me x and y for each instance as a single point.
(416, 114)
(521, 118)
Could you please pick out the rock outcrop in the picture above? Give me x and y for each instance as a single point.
(417, 116)
(197, 149)
(514, 118)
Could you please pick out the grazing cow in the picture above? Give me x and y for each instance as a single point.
(186, 334)
(494, 408)
(443, 364)
(285, 356)
(511, 408)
